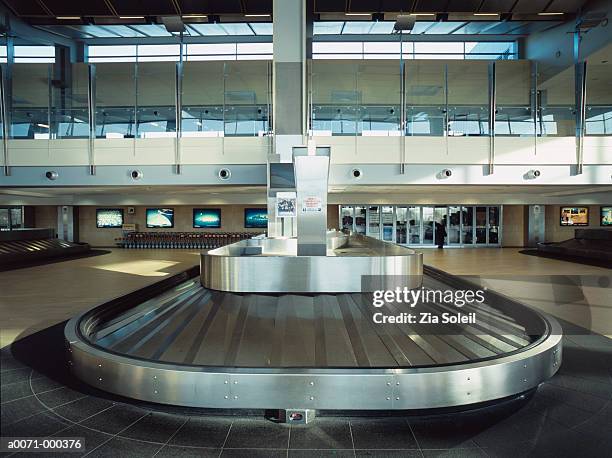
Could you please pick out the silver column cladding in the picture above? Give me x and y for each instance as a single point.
(311, 180)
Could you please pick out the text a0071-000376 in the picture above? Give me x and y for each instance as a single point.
(425, 318)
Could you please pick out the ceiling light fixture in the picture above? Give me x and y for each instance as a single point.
(551, 14)
(358, 14)
(191, 16)
(256, 15)
(486, 14)
(422, 14)
(131, 17)
(68, 18)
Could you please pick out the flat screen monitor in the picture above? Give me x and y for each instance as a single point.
(574, 216)
(109, 217)
(605, 216)
(256, 218)
(160, 217)
(282, 175)
(207, 218)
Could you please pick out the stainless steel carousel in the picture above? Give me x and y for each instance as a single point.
(288, 323)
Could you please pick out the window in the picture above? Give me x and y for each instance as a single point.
(413, 50)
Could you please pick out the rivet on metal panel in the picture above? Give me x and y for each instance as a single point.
(235, 382)
(469, 393)
(469, 378)
(99, 365)
(226, 382)
(155, 377)
(226, 397)
(397, 383)
(235, 397)
(524, 380)
(388, 383)
(388, 398)
(100, 379)
(525, 366)
(312, 398)
(397, 398)
(311, 383)
(155, 391)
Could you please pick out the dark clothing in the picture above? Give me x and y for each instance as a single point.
(440, 234)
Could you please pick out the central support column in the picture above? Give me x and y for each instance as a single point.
(311, 180)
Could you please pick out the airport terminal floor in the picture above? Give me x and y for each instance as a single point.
(568, 415)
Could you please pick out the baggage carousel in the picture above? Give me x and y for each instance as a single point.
(180, 342)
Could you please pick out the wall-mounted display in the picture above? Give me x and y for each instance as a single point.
(208, 218)
(109, 217)
(605, 216)
(160, 217)
(256, 218)
(574, 216)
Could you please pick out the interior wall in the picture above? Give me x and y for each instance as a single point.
(333, 216)
(557, 233)
(513, 226)
(45, 216)
(232, 220)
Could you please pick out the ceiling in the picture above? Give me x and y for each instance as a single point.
(50, 9)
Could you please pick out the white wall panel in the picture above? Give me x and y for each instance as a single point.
(425, 150)
(468, 150)
(245, 150)
(597, 150)
(115, 151)
(28, 152)
(155, 151)
(202, 150)
(69, 152)
(377, 150)
(515, 150)
(343, 149)
(556, 150)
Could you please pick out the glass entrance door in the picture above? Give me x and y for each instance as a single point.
(454, 225)
(374, 222)
(467, 225)
(481, 225)
(387, 221)
(428, 226)
(414, 225)
(347, 218)
(360, 220)
(401, 229)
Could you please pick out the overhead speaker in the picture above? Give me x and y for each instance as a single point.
(173, 24)
(404, 23)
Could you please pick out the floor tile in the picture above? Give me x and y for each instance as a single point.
(258, 433)
(390, 453)
(323, 433)
(305, 453)
(444, 433)
(455, 453)
(376, 433)
(203, 432)
(115, 419)
(253, 453)
(57, 397)
(125, 448)
(40, 425)
(15, 391)
(83, 408)
(20, 409)
(155, 427)
(171, 451)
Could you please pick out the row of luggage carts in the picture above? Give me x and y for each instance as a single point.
(188, 240)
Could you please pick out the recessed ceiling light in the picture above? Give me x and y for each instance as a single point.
(68, 18)
(358, 14)
(256, 15)
(422, 14)
(131, 17)
(189, 16)
(486, 14)
(551, 14)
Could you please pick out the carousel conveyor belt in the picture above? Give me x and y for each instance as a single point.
(193, 331)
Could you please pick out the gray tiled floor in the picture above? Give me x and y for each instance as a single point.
(570, 415)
